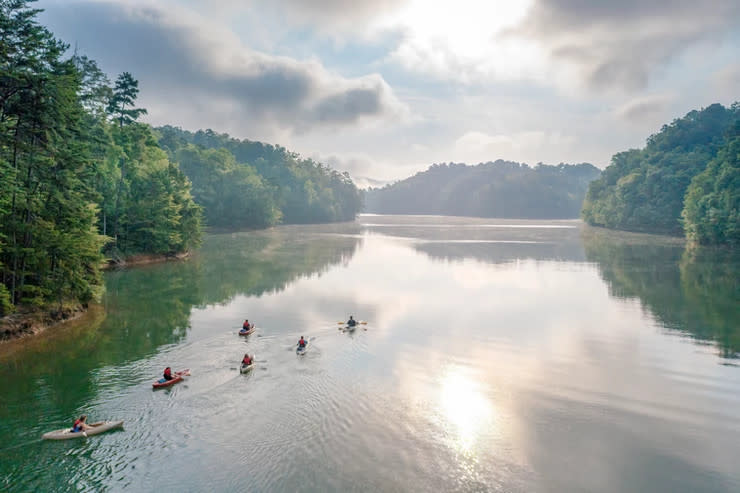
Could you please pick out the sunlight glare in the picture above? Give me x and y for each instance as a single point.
(461, 39)
(465, 407)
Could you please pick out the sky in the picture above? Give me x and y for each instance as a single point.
(384, 88)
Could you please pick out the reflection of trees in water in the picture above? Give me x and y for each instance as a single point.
(694, 291)
(497, 253)
(501, 244)
(267, 262)
(152, 305)
(149, 306)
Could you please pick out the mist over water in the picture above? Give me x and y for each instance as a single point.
(499, 355)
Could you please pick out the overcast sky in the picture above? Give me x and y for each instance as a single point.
(384, 88)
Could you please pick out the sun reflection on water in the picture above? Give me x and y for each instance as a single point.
(467, 410)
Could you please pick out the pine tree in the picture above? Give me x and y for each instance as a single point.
(125, 93)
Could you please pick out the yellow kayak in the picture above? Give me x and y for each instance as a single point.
(97, 428)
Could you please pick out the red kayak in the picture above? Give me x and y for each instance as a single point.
(178, 378)
(246, 332)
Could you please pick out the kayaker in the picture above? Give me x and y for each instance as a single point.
(80, 424)
(168, 374)
(351, 322)
(246, 326)
(247, 360)
(302, 342)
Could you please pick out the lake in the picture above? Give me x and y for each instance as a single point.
(498, 355)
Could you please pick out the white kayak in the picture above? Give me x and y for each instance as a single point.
(302, 350)
(246, 368)
(97, 428)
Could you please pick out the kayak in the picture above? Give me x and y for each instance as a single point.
(243, 332)
(166, 383)
(97, 428)
(349, 328)
(302, 350)
(246, 368)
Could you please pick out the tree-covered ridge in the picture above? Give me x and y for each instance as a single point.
(78, 172)
(495, 189)
(246, 184)
(711, 211)
(646, 189)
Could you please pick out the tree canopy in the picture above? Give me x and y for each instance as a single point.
(685, 177)
(78, 172)
(247, 184)
(494, 189)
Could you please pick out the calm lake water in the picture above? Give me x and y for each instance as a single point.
(499, 355)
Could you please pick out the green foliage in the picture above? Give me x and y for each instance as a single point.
(152, 210)
(712, 207)
(231, 195)
(124, 94)
(495, 189)
(6, 307)
(47, 209)
(63, 166)
(643, 189)
(246, 184)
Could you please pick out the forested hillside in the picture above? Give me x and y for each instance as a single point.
(82, 179)
(78, 173)
(685, 179)
(246, 184)
(494, 189)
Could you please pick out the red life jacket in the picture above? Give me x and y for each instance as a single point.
(247, 361)
(168, 373)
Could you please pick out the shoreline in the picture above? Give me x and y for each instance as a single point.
(142, 259)
(28, 323)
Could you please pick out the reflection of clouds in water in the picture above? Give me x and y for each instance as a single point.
(474, 345)
(466, 407)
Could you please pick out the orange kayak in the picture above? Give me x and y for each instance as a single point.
(166, 383)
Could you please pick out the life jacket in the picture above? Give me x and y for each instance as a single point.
(168, 374)
(302, 343)
(76, 427)
(247, 361)
(245, 326)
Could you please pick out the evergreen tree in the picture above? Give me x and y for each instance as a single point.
(124, 95)
(48, 214)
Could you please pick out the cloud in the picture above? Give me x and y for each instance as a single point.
(621, 44)
(339, 11)
(647, 108)
(727, 80)
(199, 74)
(529, 147)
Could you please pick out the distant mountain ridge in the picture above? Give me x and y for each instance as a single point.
(500, 188)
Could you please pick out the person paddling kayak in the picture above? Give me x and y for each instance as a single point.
(167, 375)
(246, 326)
(351, 322)
(302, 342)
(247, 360)
(80, 424)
